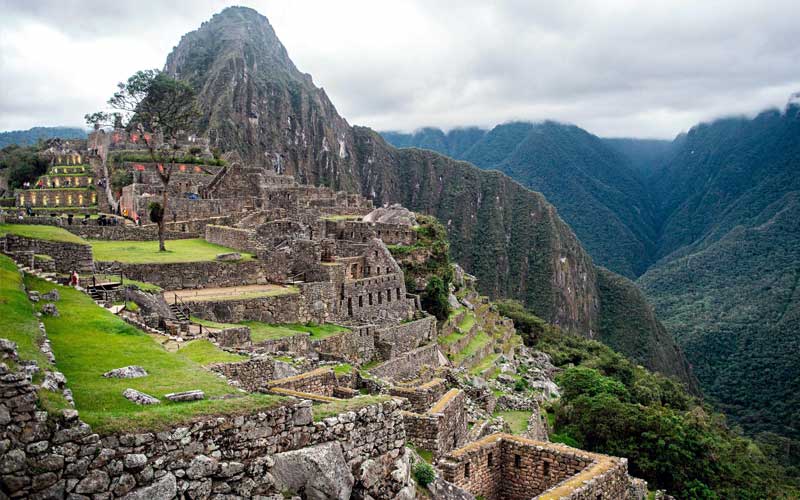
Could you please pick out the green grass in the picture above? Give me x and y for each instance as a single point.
(326, 410)
(205, 353)
(480, 340)
(17, 322)
(467, 322)
(342, 217)
(517, 419)
(484, 365)
(424, 454)
(89, 341)
(343, 369)
(451, 338)
(40, 232)
(212, 324)
(143, 252)
(223, 296)
(260, 332)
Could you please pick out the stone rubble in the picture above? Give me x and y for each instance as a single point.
(140, 398)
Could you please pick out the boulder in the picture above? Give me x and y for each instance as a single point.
(33, 296)
(163, 489)
(317, 472)
(132, 371)
(392, 214)
(54, 381)
(195, 395)
(140, 398)
(52, 296)
(282, 369)
(229, 257)
(453, 301)
(50, 309)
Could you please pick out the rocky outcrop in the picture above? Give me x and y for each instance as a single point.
(140, 398)
(318, 472)
(133, 371)
(392, 214)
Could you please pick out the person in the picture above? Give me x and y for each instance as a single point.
(74, 279)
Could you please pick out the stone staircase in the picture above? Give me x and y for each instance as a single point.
(179, 313)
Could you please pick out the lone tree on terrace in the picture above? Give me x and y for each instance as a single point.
(160, 109)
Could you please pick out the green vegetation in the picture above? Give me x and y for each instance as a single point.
(21, 164)
(342, 217)
(37, 135)
(88, 341)
(485, 364)
(424, 454)
(17, 322)
(424, 474)
(343, 369)
(672, 440)
(260, 332)
(188, 159)
(144, 252)
(517, 419)
(40, 232)
(480, 340)
(467, 322)
(325, 410)
(434, 300)
(203, 352)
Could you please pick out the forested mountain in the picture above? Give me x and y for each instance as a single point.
(727, 286)
(257, 103)
(718, 214)
(597, 189)
(33, 135)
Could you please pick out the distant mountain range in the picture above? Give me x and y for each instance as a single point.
(33, 135)
(708, 224)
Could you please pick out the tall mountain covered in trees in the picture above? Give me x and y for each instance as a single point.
(709, 224)
(33, 135)
(256, 102)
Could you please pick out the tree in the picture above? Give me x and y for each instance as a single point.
(434, 300)
(160, 108)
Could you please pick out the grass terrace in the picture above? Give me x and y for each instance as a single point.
(331, 409)
(343, 217)
(467, 322)
(88, 341)
(480, 340)
(203, 352)
(485, 364)
(517, 419)
(40, 232)
(231, 293)
(146, 252)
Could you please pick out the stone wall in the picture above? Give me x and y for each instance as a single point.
(396, 340)
(66, 256)
(240, 239)
(232, 337)
(442, 428)
(356, 346)
(410, 364)
(182, 275)
(391, 234)
(321, 381)
(44, 456)
(289, 308)
(250, 375)
(502, 466)
(126, 232)
(421, 397)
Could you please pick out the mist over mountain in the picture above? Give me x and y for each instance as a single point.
(257, 103)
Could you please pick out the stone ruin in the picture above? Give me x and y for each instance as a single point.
(324, 258)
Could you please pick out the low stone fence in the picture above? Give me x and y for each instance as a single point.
(182, 275)
(288, 308)
(66, 256)
(45, 456)
(404, 337)
(356, 346)
(423, 396)
(321, 381)
(442, 428)
(232, 337)
(502, 466)
(298, 344)
(244, 240)
(409, 365)
(124, 232)
(250, 375)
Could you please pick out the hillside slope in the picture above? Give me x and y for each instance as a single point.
(256, 102)
(33, 135)
(728, 289)
(596, 188)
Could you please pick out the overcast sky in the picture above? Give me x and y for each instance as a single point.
(617, 68)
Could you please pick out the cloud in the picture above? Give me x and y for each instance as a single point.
(614, 67)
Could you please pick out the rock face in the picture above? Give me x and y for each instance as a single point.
(317, 472)
(229, 257)
(393, 214)
(132, 371)
(140, 398)
(186, 396)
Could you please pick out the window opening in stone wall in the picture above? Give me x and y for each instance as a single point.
(489, 460)
(370, 298)
(517, 461)
(360, 301)
(546, 469)
(398, 293)
(388, 295)
(380, 298)
(349, 306)
(466, 470)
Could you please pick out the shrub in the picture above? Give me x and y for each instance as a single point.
(434, 300)
(424, 474)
